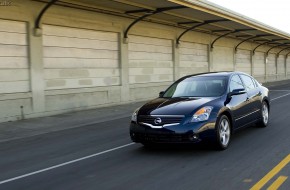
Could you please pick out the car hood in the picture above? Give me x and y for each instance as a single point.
(174, 106)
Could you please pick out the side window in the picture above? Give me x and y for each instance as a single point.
(255, 82)
(248, 82)
(236, 83)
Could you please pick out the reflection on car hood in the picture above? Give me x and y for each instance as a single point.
(173, 106)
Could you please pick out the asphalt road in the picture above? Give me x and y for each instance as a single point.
(57, 160)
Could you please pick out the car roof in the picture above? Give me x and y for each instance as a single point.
(213, 74)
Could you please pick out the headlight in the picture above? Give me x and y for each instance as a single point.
(134, 115)
(202, 114)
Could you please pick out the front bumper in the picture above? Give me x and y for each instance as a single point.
(182, 133)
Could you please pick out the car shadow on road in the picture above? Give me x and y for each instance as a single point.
(177, 149)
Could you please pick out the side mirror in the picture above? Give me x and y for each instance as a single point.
(161, 93)
(237, 92)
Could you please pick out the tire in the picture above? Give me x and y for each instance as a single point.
(223, 133)
(265, 115)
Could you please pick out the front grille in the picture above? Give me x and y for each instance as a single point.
(164, 119)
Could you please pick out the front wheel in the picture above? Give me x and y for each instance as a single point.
(223, 133)
(265, 115)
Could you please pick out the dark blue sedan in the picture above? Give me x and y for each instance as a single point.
(202, 107)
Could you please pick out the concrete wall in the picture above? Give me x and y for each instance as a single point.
(150, 62)
(280, 67)
(14, 69)
(78, 58)
(243, 61)
(80, 61)
(224, 62)
(259, 66)
(193, 58)
(13, 57)
(271, 67)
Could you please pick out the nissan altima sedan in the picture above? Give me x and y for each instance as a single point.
(208, 106)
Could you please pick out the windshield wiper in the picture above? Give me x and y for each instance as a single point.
(184, 97)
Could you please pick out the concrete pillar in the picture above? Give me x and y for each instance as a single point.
(276, 66)
(124, 67)
(175, 52)
(252, 63)
(265, 62)
(234, 58)
(285, 66)
(35, 49)
(210, 59)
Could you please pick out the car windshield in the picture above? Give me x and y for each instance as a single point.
(198, 86)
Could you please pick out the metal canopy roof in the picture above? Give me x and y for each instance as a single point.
(186, 14)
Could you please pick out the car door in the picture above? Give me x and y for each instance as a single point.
(254, 96)
(239, 104)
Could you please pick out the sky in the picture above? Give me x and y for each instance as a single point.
(275, 13)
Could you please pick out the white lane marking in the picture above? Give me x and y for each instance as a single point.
(63, 164)
(281, 90)
(280, 97)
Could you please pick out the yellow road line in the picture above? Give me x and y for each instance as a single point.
(271, 174)
(277, 183)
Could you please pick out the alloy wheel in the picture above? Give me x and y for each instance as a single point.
(224, 132)
(265, 113)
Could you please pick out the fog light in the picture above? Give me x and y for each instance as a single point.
(193, 137)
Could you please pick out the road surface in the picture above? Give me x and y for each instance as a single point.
(101, 156)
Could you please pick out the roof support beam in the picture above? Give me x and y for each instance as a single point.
(231, 32)
(287, 54)
(198, 25)
(261, 40)
(244, 36)
(252, 37)
(147, 14)
(139, 11)
(37, 29)
(264, 43)
(188, 22)
(225, 30)
(282, 50)
(274, 47)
